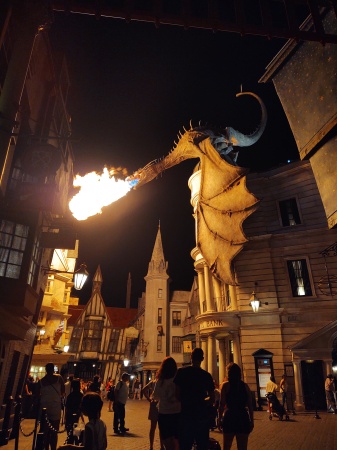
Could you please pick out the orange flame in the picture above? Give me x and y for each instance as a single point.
(96, 191)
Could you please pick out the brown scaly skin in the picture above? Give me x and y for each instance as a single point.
(223, 142)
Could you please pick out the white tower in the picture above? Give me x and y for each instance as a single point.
(156, 320)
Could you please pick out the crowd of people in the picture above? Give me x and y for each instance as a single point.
(184, 404)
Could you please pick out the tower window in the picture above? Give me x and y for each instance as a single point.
(176, 344)
(160, 293)
(299, 278)
(289, 212)
(160, 315)
(176, 318)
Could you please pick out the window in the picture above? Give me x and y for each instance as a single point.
(299, 278)
(289, 212)
(160, 293)
(13, 240)
(176, 344)
(176, 318)
(75, 340)
(33, 272)
(114, 338)
(159, 343)
(160, 315)
(92, 336)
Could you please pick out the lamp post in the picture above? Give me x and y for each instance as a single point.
(80, 275)
(255, 302)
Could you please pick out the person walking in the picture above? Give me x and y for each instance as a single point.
(283, 390)
(136, 389)
(95, 385)
(329, 393)
(110, 390)
(73, 405)
(169, 406)
(95, 432)
(121, 394)
(195, 390)
(271, 388)
(235, 399)
(51, 392)
(147, 391)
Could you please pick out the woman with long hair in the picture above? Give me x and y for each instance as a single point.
(236, 409)
(168, 406)
(147, 391)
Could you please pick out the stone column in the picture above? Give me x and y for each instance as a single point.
(204, 348)
(222, 360)
(201, 284)
(209, 300)
(298, 385)
(232, 293)
(217, 293)
(236, 348)
(211, 357)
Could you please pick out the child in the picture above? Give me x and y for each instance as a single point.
(95, 435)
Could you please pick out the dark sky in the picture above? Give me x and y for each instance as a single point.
(133, 87)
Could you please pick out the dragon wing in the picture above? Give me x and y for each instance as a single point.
(224, 203)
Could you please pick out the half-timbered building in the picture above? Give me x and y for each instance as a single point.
(101, 336)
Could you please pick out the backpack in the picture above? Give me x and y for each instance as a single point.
(111, 393)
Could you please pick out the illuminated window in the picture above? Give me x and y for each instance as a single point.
(159, 343)
(176, 344)
(160, 315)
(299, 278)
(176, 318)
(13, 240)
(289, 212)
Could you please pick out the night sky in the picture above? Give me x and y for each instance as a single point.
(133, 87)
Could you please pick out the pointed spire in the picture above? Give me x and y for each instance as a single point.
(97, 280)
(128, 291)
(157, 263)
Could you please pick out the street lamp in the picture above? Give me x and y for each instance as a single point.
(126, 362)
(255, 302)
(80, 275)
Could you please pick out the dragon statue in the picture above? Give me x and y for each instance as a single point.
(224, 200)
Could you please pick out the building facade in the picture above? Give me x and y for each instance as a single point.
(36, 173)
(283, 268)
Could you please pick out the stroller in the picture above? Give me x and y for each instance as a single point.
(275, 407)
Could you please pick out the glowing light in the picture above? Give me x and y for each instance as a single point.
(96, 191)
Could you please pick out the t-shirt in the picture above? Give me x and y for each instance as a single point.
(121, 392)
(195, 386)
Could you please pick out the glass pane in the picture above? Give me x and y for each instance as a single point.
(21, 230)
(15, 257)
(4, 254)
(13, 271)
(19, 243)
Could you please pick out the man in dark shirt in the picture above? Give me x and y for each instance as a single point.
(195, 390)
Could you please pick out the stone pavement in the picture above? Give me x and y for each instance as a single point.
(302, 432)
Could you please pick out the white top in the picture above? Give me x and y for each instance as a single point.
(165, 393)
(121, 392)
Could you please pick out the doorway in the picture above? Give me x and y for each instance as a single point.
(313, 384)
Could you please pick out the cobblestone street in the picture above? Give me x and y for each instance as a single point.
(302, 432)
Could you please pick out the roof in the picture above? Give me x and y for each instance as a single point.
(120, 317)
